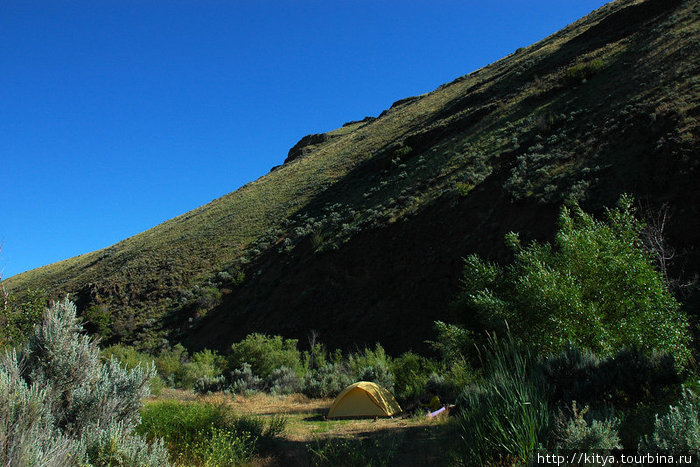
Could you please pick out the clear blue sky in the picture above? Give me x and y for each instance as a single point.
(116, 115)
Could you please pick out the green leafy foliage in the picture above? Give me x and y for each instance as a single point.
(412, 372)
(19, 315)
(117, 446)
(265, 354)
(175, 366)
(181, 370)
(98, 321)
(453, 342)
(327, 381)
(221, 448)
(245, 381)
(463, 188)
(284, 380)
(595, 286)
(371, 365)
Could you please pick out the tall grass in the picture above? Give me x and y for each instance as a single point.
(506, 416)
(199, 433)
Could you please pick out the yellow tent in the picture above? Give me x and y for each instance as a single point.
(364, 399)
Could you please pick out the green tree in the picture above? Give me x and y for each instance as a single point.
(595, 286)
(18, 316)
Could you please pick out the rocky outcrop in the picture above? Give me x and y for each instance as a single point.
(307, 144)
(364, 120)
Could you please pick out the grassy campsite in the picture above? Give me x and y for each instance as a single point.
(308, 437)
(505, 394)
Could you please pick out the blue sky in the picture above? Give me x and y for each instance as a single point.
(116, 115)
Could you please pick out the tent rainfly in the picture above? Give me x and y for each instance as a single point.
(364, 399)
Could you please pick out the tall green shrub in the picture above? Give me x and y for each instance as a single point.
(595, 286)
(60, 405)
(411, 375)
(181, 370)
(131, 358)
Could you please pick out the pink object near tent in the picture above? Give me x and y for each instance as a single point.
(437, 412)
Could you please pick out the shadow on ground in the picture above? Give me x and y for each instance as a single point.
(418, 445)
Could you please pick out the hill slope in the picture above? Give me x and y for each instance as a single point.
(360, 233)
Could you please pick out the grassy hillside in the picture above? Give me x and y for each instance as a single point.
(360, 233)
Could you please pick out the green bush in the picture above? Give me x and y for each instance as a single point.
(243, 380)
(60, 405)
(98, 321)
(316, 357)
(180, 370)
(284, 380)
(327, 381)
(128, 356)
(207, 298)
(596, 287)
(203, 365)
(623, 380)
(463, 188)
(265, 354)
(131, 358)
(169, 364)
(578, 434)
(371, 365)
(411, 374)
(507, 415)
(677, 432)
(582, 72)
(179, 423)
(449, 383)
(222, 448)
(117, 446)
(19, 316)
(206, 385)
(453, 342)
